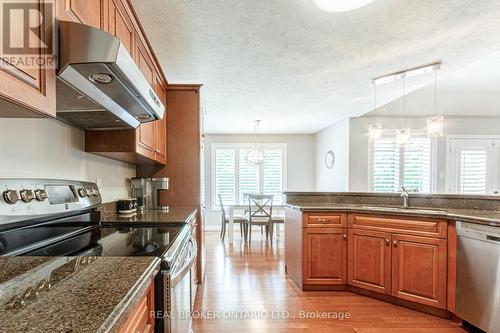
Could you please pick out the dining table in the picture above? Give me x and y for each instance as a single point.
(232, 208)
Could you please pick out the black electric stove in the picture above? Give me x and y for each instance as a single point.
(61, 218)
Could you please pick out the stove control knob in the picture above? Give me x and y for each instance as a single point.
(41, 195)
(11, 197)
(27, 195)
(83, 192)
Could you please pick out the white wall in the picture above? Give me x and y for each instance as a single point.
(47, 148)
(300, 166)
(335, 138)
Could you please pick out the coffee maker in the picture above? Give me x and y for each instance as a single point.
(146, 190)
(157, 185)
(140, 188)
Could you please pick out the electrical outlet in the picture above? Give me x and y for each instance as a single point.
(98, 181)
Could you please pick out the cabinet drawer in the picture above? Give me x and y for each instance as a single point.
(322, 220)
(399, 224)
(140, 319)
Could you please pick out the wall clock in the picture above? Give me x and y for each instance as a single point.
(330, 159)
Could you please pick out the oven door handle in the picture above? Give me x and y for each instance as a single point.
(177, 276)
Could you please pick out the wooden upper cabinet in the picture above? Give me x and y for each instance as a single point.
(89, 12)
(161, 125)
(419, 271)
(27, 87)
(146, 132)
(369, 260)
(120, 24)
(325, 256)
(147, 143)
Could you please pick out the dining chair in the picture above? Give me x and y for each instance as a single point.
(241, 220)
(260, 213)
(277, 220)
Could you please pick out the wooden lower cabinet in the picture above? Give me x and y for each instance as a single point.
(369, 260)
(419, 269)
(325, 256)
(401, 258)
(141, 319)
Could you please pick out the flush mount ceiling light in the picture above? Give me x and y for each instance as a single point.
(340, 5)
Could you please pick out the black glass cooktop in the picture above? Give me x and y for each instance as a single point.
(66, 238)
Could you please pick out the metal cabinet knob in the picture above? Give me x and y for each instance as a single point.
(345, 237)
(387, 241)
(395, 243)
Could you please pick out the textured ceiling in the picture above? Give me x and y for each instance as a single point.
(300, 69)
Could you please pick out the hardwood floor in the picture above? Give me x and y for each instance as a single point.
(245, 289)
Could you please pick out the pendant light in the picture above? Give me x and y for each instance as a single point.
(375, 130)
(340, 5)
(435, 124)
(254, 156)
(403, 134)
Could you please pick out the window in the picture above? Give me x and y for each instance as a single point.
(232, 176)
(472, 161)
(393, 166)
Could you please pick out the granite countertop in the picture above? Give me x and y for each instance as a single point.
(109, 216)
(87, 294)
(485, 217)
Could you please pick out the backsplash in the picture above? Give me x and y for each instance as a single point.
(47, 148)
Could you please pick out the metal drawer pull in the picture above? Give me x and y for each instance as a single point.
(493, 238)
(322, 220)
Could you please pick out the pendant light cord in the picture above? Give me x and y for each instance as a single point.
(404, 89)
(435, 93)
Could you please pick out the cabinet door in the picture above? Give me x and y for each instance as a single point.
(146, 132)
(27, 85)
(419, 269)
(89, 12)
(161, 125)
(120, 24)
(369, 258)
(325, 256)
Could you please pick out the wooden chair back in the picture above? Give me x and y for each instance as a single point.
(260, 207)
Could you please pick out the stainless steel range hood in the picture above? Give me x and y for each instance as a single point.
(99, 85)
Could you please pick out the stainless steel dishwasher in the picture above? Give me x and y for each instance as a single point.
(478, 275)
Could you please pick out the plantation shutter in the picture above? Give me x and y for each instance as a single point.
(385, 165)
(225, 176)
(248, 176)
(417, 165)
(273, 174)
(472, 174)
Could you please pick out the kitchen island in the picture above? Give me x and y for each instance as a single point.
(369, 244)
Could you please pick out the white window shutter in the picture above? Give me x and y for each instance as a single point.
(248, 176)
(472, 174)
(385, 165)
(417, 165)
(273, 174)
(225, 176)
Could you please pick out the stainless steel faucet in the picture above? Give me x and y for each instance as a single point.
(405, 195)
